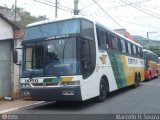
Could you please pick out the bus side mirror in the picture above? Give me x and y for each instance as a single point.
(15, 57)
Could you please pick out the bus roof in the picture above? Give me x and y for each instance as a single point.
(145, 50)
(78, 16)
(55, 20)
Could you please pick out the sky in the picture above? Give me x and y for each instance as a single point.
(137, 16)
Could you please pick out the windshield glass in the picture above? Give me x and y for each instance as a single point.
(51, 29)
(53, 57)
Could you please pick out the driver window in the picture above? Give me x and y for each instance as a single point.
(86, 58)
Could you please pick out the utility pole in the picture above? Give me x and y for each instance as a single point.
(56, 8)
(76, 10)
(15, 10)
(148, 37)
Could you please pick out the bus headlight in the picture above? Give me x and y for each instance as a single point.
(25, 85)
(66, 83)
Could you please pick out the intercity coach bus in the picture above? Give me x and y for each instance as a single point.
(159, 66)
(151, 64)
(76, 59)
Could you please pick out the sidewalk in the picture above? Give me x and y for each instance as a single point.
(8, 106)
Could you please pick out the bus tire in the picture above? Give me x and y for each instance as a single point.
(103, 90)
(136, 83)
(157, 74)
(150, 75)
(139, 79)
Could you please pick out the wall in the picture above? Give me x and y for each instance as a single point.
(16, 69)
(7, 34)
(6, 31)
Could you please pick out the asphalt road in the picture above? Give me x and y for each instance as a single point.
(144, 99)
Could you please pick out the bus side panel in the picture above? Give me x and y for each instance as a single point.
(107, 70)
(118, 69)
(130, 68)
(90, 86)
(154, 68)
(124, 70)
(128, 71)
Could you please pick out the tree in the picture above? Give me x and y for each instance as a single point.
(155, 49)
(26, 17)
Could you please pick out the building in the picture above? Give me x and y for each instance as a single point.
(9, 72)
(146, 43)
(125, 33)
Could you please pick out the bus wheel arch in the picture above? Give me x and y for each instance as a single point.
(104, 89)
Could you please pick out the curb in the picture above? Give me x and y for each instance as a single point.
(16, 108)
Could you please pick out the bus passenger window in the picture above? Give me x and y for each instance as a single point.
(129, 49)
(141, 53)
(138, 52)
(114, 42)
(134, 50)
(126, 45)
(107, 40)
(101, 36)
(123, 47)
(103, 39)
(110, 41)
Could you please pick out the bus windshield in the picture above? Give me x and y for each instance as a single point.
(53, 57)
(52, 29)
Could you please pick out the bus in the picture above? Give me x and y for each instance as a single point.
(159, 66)
(151, 64)
(76, 59)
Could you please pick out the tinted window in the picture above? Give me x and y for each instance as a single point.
(129, 49)
(102, 37)
(87, 29)
(139, 51)
(123, 46)
(107, 39)
(110, 41)
(134, 50)
(53, 57)
(126, 45)
(86, 58)
(51, 29)
(114, 42)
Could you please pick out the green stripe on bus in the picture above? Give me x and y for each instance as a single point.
(117, 68)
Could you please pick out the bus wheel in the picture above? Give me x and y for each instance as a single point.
(157, 74)
(139, 79)
(103, 90)
(136, 81)
(150, 75)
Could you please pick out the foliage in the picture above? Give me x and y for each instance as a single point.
(26, 17)
(155, 49)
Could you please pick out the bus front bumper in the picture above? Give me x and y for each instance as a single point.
(72, 93)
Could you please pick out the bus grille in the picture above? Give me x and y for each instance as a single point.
(45, 84)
